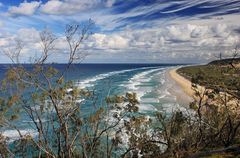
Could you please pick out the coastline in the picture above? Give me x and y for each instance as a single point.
(186, 87)
(176, 89)
(183, 83)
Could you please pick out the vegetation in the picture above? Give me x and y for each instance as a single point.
(220, 74)
(225, 62)
(208, 128)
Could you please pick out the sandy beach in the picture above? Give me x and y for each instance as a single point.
(182, 97)
(184, 83)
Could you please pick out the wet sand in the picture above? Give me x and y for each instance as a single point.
(185, 84)
(180, 87)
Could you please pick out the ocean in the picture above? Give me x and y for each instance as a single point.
(149, 81)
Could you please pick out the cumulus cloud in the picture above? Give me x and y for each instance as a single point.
(187, 42)
(25, 8)
(173, 42)
(28, 35)
(154, 38)
(102, 41)
(67, 7)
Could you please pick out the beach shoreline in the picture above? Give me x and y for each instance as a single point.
(184, 83)
(176, 89)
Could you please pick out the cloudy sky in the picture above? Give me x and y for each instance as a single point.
(126, 31)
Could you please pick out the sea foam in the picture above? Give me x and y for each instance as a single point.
(89, 82)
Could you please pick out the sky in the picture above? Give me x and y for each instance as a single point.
(125, 31)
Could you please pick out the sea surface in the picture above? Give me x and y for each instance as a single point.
(149, 81)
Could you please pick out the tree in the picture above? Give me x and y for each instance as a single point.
(40, 91)
(53, 105)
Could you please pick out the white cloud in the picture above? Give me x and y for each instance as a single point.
(207, 42)
(25, 8)
(110, 3)
(186, 42)
(67, 7)
(28, 35)
(102, 41)
(221, 30)
(52, 7)
(29, 38)
(1, 4)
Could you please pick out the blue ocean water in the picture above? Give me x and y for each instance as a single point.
(149, 81)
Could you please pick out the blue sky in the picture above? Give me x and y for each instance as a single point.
(126, 31)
